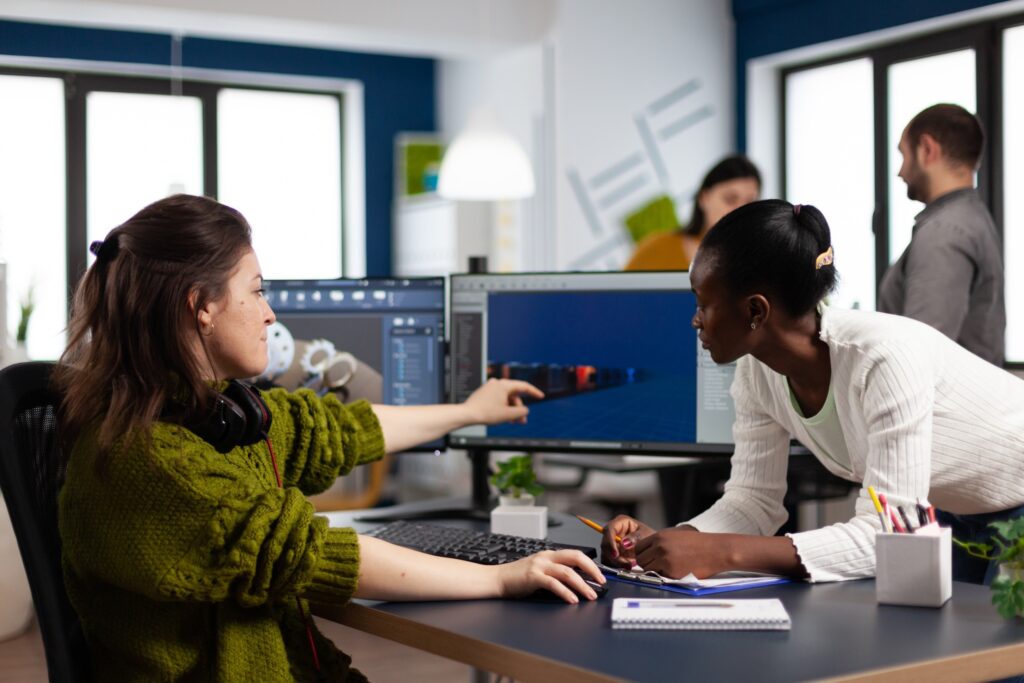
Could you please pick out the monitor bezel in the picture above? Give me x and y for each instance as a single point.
(539, 445)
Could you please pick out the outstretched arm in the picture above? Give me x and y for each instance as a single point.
(499, 400)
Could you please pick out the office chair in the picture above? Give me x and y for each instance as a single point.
(31, 474)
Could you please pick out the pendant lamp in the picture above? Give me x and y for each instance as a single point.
(485, 162)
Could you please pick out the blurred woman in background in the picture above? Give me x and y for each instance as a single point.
(731, 183)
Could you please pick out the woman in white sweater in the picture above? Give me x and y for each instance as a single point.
(881, 400)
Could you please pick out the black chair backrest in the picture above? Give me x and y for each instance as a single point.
(31, 474)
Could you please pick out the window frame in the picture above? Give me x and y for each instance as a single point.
(200, 83)
(985, 38)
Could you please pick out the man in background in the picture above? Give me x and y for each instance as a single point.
(951, 274)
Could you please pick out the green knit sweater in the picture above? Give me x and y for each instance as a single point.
(185, 564)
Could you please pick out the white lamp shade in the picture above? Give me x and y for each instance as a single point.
(484, 162)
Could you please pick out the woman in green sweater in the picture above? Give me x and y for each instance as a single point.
(190, 549)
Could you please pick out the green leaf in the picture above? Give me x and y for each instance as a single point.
(974, 549)
(516, 476)
(1008, 596)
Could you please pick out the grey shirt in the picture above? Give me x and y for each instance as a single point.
(951, 275)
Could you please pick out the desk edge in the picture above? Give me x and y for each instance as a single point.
(517, 664)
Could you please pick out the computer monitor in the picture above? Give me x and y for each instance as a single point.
(381, 339)
(614, 353)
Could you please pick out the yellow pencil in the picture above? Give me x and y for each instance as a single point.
(881, 511)
(596, 527)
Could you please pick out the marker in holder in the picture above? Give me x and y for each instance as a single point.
(914, 569)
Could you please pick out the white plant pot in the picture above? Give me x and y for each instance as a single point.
(508, 500)
(530, 521)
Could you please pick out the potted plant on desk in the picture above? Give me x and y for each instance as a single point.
(517, 487)
(1007, 549)
(516, 481)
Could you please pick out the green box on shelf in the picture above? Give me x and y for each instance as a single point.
(657, 215)
(422, 160)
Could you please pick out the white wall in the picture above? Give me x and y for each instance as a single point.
(511, 85)
(412, 27)
(613, 61)
(580, 103)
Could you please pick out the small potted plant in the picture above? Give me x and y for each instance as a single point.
(516, 513)
(516, 481)
(28, 306)
(1007, 548)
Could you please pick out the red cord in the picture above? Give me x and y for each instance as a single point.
(273, 461)
(309, 634)
(298, 601)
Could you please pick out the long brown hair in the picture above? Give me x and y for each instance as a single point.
(131, 337)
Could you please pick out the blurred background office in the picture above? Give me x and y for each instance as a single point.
(326, 125)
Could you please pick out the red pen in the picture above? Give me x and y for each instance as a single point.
(931, 513)
(896, 526)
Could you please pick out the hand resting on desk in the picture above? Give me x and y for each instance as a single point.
(677, 551)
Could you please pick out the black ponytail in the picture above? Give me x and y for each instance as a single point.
(777, 248)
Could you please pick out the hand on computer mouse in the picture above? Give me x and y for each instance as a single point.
(544, 595)
(563, 573)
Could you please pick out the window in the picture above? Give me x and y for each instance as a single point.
(274, 152)
(913, 85)
(139, 148)
(828, 118)
(1013, 179)
(274, 145)
(33, 210)
(871, 95)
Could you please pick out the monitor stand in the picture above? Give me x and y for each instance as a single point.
(477, 508)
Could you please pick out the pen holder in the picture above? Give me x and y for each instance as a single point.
(914, 569)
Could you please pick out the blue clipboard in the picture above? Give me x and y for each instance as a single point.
(648, 581)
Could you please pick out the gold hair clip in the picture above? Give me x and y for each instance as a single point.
(825, 258)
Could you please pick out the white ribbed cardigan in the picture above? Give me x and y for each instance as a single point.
(921, 417)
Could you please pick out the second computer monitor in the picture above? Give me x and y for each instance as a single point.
(614, 353)
(379, 339)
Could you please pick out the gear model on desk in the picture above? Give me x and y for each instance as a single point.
(318, 365)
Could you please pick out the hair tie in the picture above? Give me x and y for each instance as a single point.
(825, 258)
(104, 250)
(796, 209)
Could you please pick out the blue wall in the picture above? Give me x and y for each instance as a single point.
(398, 92)
(764, 27)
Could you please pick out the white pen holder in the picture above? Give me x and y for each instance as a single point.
(530, 521)
(914, 569)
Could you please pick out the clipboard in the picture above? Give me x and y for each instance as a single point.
(721, 583)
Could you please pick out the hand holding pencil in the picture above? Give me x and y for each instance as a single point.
(618, 547)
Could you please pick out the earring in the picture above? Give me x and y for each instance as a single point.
(753, 325)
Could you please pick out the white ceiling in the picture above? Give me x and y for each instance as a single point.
(434, 28)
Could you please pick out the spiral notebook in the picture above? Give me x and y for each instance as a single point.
(701, 614)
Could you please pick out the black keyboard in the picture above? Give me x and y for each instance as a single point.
(466, 544)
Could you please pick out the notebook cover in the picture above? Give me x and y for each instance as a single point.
(713, 615)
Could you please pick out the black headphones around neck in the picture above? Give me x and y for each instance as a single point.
(237, 417)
